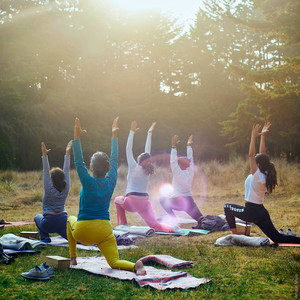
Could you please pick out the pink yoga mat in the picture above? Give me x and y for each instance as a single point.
(156, 278)
(19, 223)
(285, 244)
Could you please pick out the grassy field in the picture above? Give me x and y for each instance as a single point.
(248, 273)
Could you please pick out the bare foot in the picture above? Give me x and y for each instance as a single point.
(73, 261)
(139, 268)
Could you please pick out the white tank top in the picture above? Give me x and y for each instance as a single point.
(255, 187)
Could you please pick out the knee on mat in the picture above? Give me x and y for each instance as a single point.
(119, 199)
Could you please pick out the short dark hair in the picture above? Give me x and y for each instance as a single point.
(58, 178)
(183, 163)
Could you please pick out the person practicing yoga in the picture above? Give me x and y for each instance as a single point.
(136, 197)
(183, 174)
(93, 224)
(263, 178)
(56, 189)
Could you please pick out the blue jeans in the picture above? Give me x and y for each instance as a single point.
(52, 224)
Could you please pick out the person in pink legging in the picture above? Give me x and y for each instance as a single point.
(136, 197)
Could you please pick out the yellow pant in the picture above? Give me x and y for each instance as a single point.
(96, 232)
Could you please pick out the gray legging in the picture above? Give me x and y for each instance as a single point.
(258, 215)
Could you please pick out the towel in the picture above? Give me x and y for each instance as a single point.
(242, 240)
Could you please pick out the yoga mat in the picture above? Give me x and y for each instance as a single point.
(158, 279)
(185, 231)
(284, 244)
(19, 223)
(61, 242)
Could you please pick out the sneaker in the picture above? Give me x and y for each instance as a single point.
(49, 269)
(281, 231)
(36, 273)
(47, 240)
(290, 232)
(5, 259)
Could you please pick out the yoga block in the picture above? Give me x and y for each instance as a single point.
(30, 234)
(243, 229)
(58, 262)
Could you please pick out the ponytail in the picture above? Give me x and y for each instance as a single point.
(271, 180)
(267, 168)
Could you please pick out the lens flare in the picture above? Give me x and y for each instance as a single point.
(166, 190)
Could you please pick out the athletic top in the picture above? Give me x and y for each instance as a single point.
(95, 193)
(53, 200)
(255, 187)
(137, 179)
(182, 179)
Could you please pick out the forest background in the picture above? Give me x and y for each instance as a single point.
(238, 64)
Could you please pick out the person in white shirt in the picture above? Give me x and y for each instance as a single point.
(183, 174)
(136, 197)
(263, 178)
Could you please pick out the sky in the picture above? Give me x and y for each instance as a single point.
(184, 10)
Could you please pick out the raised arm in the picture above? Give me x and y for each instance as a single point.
(46, 167)
(148, 140)
(67, 163)
(262, 145)
(254, 134)
(82, 171)
(189, 153)
(129, 154)
(173, 157)
(113, 172)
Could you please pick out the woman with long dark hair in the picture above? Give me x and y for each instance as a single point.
(136, 197)
(263, 178)
(56, 188)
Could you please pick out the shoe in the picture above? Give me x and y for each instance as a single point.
(290, 232)
(36, 273)
(49, 269)
(47, 240)
(5, 259)
(281, 231)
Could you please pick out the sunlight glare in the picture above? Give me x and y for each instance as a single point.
(166, 190)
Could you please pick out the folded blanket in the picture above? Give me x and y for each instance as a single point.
(167, 260)
(20, 252)
(61, 242)
(142, 231)
(242, 240)
(158, 279)
(11, 241)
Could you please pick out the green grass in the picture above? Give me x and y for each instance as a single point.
(236, 272)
